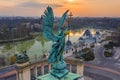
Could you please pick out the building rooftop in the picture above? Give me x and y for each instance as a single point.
(97, 33)
(87, 33)
(69, 43)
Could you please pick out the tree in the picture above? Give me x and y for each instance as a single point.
(12, 59)
(108, 54)
(2, 60)
(116, 37)
(89, 56)
(109, 45)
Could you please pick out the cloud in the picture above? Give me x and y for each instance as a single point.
(34, 4)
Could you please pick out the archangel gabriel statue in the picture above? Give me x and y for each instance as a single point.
(56, 53)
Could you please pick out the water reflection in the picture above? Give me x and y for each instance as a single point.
(36, 47)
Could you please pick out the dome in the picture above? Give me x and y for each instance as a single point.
(81, 38)
(97, 33)
(87, 33)
(69, 43)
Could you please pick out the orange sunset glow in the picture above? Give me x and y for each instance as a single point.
(76, 33)
(82, 8)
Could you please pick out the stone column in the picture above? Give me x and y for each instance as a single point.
(23, 71)
(49, 66)
(19, 75)
(70, 68)
(35, 71)
(80, 68)
(42, 69)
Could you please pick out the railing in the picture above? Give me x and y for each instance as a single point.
(38, 68)
(73, 65)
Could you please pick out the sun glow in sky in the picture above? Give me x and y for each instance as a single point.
(70, 0)
(82, 8)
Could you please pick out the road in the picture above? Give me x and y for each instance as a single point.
(101, 66)
(104, 73)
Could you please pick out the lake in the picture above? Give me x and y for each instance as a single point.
(37, 47)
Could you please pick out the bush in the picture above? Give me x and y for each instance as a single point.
(12, 59)
(2, 61)
(89, 56)
(92, 46)
(109, 45)
(108, 54)
(85, 50)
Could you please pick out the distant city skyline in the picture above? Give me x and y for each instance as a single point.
(79, 8)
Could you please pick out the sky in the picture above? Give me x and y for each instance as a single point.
(79, 8)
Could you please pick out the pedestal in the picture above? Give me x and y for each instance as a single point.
(59, 75)
(59, 69)
(69, 76)
(59, 72)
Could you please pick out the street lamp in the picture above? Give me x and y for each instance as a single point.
(69, 43)
(69, 25)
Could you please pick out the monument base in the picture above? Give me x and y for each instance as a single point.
(69, 76)
(59, 75)
(59, 69)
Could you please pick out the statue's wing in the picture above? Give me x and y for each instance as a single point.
(62, 19)
(48, 21)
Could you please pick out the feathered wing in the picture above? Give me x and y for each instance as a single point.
(48, 21)
(62, 19)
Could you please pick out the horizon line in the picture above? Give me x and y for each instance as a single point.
(73, 17)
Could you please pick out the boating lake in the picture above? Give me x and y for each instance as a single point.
(35, 48)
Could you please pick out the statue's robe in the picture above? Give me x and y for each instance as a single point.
(56, 53)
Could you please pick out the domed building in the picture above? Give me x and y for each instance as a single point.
(68, 43)
(81, 38)
(97, 36)
(97, 33)
(87, 38)
(87, 34)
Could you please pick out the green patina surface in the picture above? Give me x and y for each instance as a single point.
(56, 53)
(70, 76)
